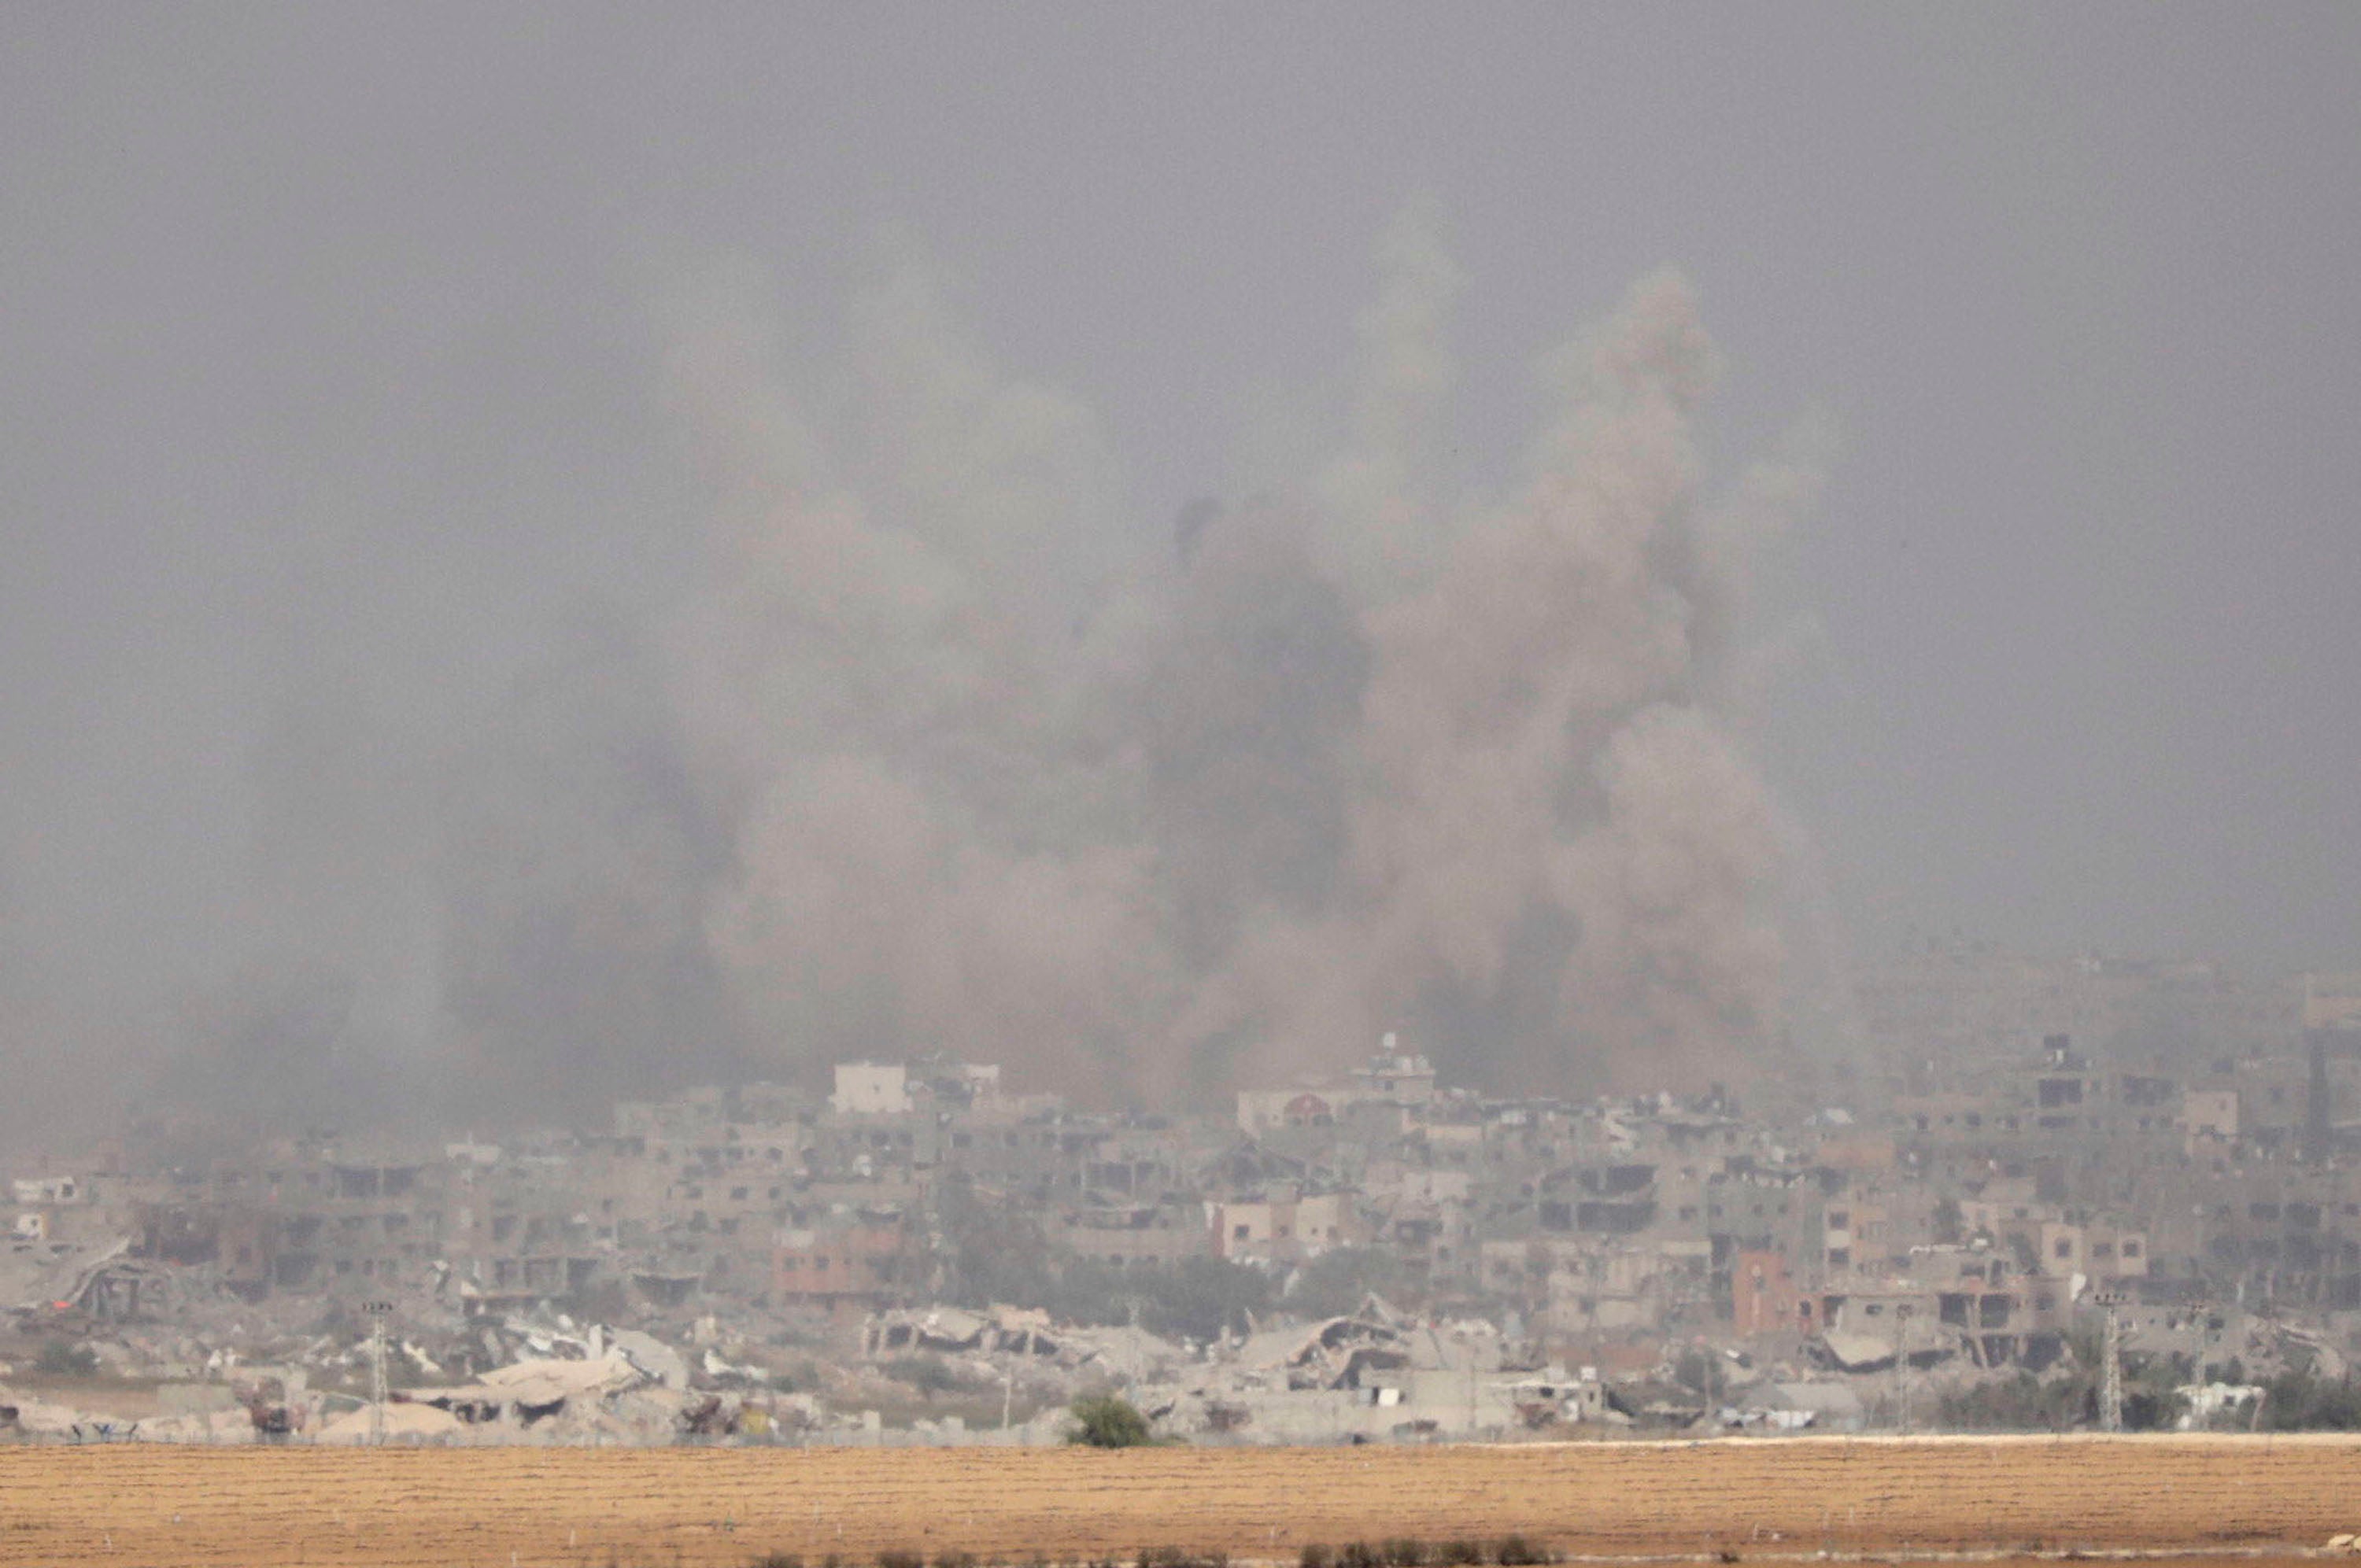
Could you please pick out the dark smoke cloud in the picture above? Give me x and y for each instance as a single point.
(1247, 717)
(576, 861)
(273, 1046)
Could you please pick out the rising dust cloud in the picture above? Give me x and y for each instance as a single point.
(1300, 768)
(944, 752)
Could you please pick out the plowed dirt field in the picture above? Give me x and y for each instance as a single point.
(134, 1506)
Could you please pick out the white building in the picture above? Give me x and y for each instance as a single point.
(872, 1089)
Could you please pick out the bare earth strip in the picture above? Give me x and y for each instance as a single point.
(136, 1505)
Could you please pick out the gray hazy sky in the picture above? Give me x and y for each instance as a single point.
(332, 347)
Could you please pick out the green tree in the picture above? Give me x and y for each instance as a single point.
(1701, 1371)
(927, 1374)
(1203, 1298)
(1108, 1420)
(1339, 1280)
(2297, 1401)
(58, 1359)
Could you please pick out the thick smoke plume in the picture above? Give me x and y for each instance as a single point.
(1144, 813)
(942, 748)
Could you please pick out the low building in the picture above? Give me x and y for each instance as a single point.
(1277, 1229)
(848, 1271)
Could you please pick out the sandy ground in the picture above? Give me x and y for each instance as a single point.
(138, 1504)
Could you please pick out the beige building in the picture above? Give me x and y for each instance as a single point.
(2209, 1113)
(2102, 1252)
(1255, 1230)
(870, 1088)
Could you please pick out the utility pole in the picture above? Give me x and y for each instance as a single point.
(377, 1313)
(1902, 1366)
(2110, 1370)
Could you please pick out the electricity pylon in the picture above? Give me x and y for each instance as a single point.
(2111, 1364)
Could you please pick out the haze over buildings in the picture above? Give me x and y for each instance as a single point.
(556, 556)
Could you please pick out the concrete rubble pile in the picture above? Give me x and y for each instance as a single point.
(1372, 1374)
(1922, 1342)
(228, 1371)
(609, 1398)
(1003, 1338)
(1369, 1376)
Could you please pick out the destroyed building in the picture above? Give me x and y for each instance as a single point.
(1957, 1224)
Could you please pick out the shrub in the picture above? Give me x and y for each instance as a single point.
(58, 1359)
(1516, 1551)
(924, 1373)
(1460, 1554)
(2297, 1401)
(778, 1560)
(1338, 1280)
(901, 1559)
(1316, 1556)
(1108, 1421)
(1360, 1554)
(1402, 1551)
(1179, 1557)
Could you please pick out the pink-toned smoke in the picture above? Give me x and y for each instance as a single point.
(1142, 825)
